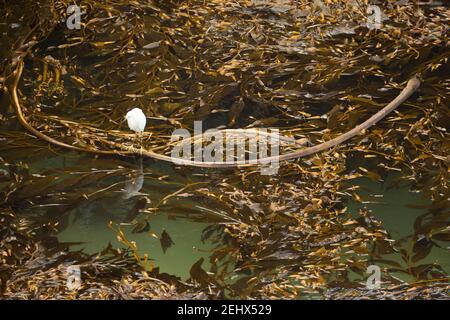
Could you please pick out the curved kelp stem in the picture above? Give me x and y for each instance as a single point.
(412, 85)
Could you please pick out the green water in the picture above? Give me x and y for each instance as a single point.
(394, 207)
(88, 223)
(185, 220)
(186, 250)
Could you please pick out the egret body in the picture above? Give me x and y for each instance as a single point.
(136, 120)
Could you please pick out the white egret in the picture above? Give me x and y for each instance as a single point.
(136, 121)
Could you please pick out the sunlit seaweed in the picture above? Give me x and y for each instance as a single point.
(314, 72)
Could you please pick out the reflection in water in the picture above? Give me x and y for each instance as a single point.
(134, 185)
(89, 225)
(111, 195)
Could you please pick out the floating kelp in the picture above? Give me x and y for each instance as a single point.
(312, 70)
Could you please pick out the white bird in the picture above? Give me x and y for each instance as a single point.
(136, 120)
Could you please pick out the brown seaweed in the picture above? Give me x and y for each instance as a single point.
(315, 72)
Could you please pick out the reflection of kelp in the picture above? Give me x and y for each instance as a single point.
(284, 235)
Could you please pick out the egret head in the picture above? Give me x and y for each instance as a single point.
(132, 112)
